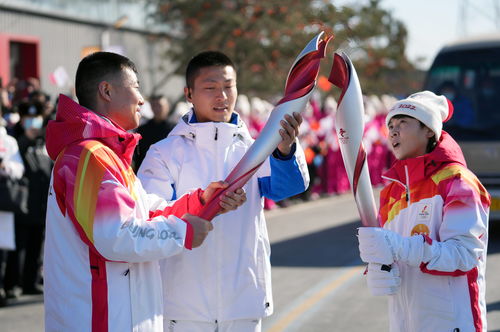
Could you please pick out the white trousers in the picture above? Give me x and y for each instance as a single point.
(240, 325)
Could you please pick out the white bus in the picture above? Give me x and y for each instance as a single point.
(468, 72)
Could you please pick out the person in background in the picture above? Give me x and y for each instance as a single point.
(464, 116)
(8, 118)
(155, 129)
(5, 103)
(488, 102)
(11, 165)
(434, 226)
(23, 264)
(43, 98)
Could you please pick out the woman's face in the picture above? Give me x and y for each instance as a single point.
(407, 137)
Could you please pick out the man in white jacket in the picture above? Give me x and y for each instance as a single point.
(104, 233)
(226, 284)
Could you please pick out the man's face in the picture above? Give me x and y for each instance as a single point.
(160, 108)
(126, 100)
(32, 125)
(213, 94)
(407, 138)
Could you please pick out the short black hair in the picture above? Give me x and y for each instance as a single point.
(431, 143)
(95, 68)
(30, 108)
(205, 59)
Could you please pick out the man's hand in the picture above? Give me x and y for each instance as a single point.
(228, 201)
(201, 228)
(289, 132)
(232, 200)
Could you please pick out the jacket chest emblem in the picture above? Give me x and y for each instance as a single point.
(420, 229)
(424, 211)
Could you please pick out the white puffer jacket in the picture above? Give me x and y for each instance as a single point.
(229, 276)
(437, 196)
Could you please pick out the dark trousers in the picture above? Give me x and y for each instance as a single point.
(3, 253)
(23, 264)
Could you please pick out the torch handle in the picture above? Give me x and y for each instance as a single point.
(212, 207)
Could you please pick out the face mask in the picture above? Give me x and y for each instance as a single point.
(449, 95)
(33, 123)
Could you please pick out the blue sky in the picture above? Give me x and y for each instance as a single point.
(433, 23)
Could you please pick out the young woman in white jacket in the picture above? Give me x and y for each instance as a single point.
(434, 226)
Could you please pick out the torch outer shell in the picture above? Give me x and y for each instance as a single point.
(350, 128)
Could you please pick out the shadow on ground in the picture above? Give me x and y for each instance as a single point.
(24, 300)
(494, 237)
(493, 306)
(337, 246)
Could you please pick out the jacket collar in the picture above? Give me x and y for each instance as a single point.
(446, 152)
(201, 132)
(76, 123)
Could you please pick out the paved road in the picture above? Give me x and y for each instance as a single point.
(317, 275)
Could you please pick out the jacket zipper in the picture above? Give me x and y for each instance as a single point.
(218, 297)
(407, 185)
(408, 201)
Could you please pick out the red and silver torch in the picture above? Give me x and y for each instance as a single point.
(350, 127)
(299, 85)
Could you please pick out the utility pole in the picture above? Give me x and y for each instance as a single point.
(462, 19)
(106, 34)
(496, 5)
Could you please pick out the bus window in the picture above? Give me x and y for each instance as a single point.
(472, 79)
(468, 72)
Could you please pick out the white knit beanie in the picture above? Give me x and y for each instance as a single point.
(431, 109)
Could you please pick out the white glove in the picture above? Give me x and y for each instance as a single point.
(381, 280)
(378, 245)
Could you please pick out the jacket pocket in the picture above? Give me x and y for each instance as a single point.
(263, 262)
(434, 303)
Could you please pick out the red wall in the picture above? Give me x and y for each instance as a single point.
(30, 56)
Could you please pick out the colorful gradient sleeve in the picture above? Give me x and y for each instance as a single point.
(111, 211)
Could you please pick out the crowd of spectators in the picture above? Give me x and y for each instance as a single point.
(25, 110)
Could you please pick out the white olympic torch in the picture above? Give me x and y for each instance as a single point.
(350, 128)
(299, 85)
